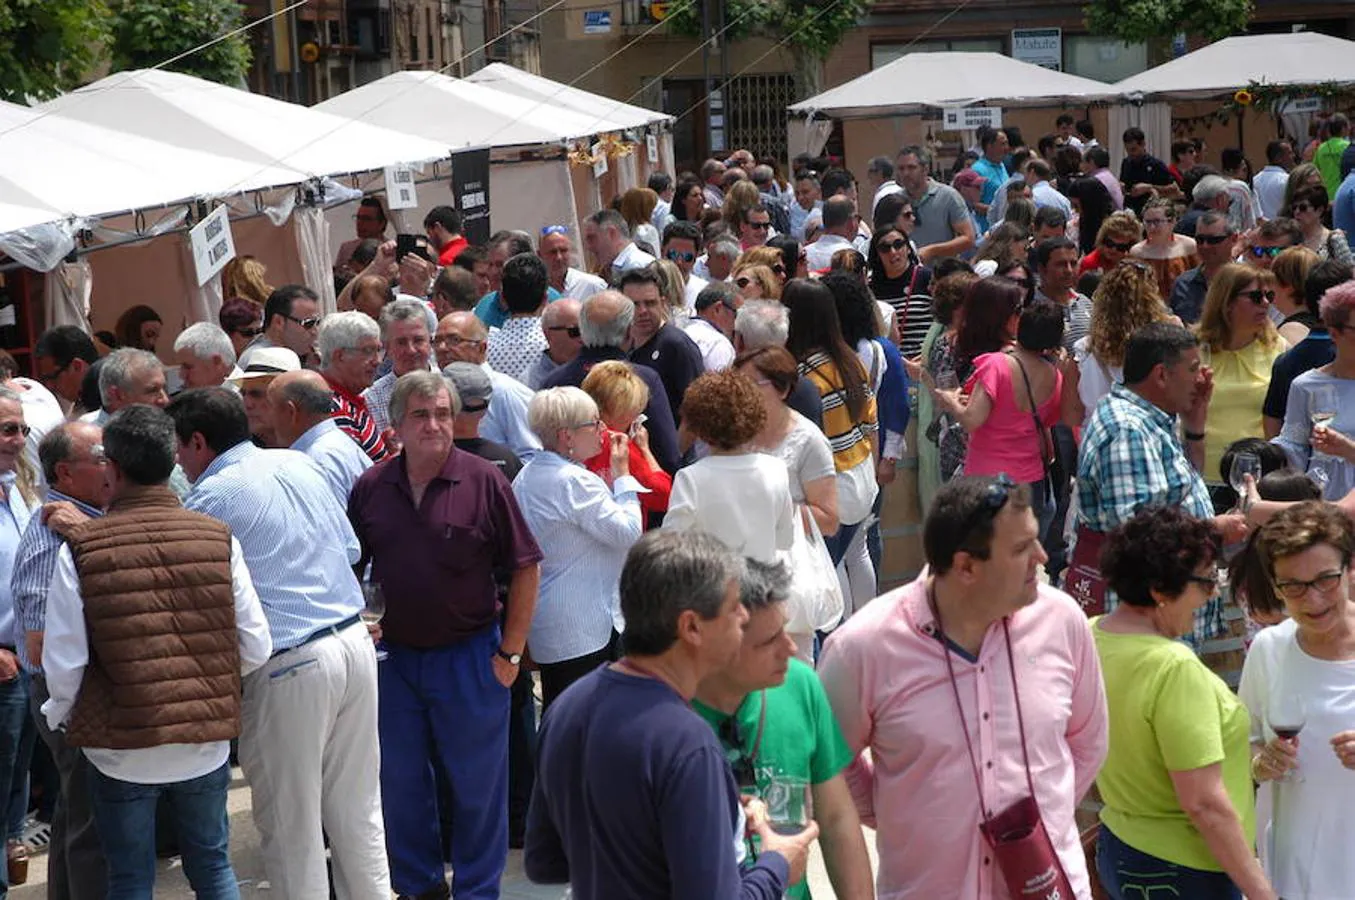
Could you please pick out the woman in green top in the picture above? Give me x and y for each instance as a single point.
(1179, 814)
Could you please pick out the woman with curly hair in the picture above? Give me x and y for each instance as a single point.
(756, 282)
(1114, 239)
(245, 277)
(736, 493)
(1179, 809)
(1243, 345)
(1125, 300)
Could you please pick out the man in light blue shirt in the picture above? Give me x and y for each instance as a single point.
(302, 409)
(308, 742)
(1343, 205)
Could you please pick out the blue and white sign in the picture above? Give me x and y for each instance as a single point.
(597, 21)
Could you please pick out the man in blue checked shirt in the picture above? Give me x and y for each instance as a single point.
(73, 465)
(1132, 458)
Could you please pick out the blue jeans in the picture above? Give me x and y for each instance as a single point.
(125, 815)
(1128, 874)
(13, 714)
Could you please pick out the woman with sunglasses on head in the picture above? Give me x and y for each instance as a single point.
(1309, 208)
(1298, 682)
(1166, 252)
(1319, 415)
(793, 261)
(1179, 817)
(1243, 345)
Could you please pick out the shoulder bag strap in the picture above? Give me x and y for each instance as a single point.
(1035, 416)
(959, 707)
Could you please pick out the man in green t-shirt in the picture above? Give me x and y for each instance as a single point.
(1328, 155)
(773, 719)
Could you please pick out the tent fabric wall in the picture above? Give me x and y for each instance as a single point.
(528, 196)
(1154, 118)
(66, 291)
(317, 256)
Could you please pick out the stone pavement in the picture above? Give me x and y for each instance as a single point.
(171, 884)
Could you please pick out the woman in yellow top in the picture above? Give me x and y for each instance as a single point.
(1179, 817)
(1243, 344)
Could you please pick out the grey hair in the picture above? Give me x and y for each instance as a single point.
(605, 218)
(762, 323)
(56, 447)
(763, 584)
(725, 247)
(205, 340)
(557, 408)
(343, 331)
(881, 165)
(311, 398)
(923, 155)
(120, 366)
(715, 292)
(609, 333)
(420, 384)
(141, 440)
(403, 311)
(1208, 188)
(667, 573)
(762, 174)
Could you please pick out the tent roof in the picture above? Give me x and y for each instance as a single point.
(460, 113)
(1232, 63)
(57, 167)
(212, 118)
(509, 79)
(920, 80)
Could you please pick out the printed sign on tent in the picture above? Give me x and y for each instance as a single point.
(400, 190)
(212, 244)
(652, 148)
(470, 189)
(968, 118)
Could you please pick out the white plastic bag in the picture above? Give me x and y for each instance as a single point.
(815, 595)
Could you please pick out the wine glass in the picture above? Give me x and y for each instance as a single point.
(789, 803)
(1286, 717)
(1244, 464)
(1206, 356)
(373, 610)
(1319, 471)
(1322, 406)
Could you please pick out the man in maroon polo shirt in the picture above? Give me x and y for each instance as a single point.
(436, 522)
(349, 344)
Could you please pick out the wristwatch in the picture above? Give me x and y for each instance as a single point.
(512, 658)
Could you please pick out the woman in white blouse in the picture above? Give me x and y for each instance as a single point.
(737, 494)
(584, 529)
(1299, 679)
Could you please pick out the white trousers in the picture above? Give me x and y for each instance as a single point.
(309, 750)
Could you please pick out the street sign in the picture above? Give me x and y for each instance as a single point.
(1039, 46)
(968, 118)
(597, 21)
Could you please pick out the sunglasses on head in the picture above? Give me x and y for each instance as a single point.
(895, 245)
(995, 496)
(1210, 240)
(554, 229)
(680, 256)
(743, 281)
(1272, 252)
(571, 330)
(1258, 296)
(1116, 245)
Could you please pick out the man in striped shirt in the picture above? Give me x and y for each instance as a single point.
(349, 344)
(73, 464)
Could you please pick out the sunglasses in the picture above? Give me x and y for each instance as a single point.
(1302, 208)
(249, 332)
(1210, 240)
(680, 256)
(1272, 252)
(1115, 245)
(743, 281)
(994, 498)
(1258, 296)
(306, 323)
(571, 330)
(731, 738)
(554, 229)
(10, 429)
(779, 271)
(896, 245)
(759, 226)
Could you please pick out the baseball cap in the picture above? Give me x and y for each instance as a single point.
(472, 385)
(967, 178)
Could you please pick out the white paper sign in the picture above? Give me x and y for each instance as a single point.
(212, 244)
(1039, 46)
(400, 190)
(599, 160)
(968, 118)
(1301, 105)
(652, 147)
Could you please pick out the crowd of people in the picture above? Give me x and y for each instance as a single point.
(519, 549)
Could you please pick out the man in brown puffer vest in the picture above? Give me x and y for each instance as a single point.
(151, 621)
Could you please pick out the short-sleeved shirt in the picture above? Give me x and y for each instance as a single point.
(436, 563)
(1241, 379)
(1146, 169)
(1007, 440)
(939, 212)
(355, 420)
(516, 345)
(800, 737)
(1313, 352)
(1168, 713)
(806, 453)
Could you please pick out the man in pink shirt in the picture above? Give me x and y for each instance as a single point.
(886, 675)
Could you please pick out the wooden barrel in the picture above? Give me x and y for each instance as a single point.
(901, 521)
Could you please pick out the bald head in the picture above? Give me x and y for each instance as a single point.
(562, 312)
(297, 402)
(461, 337)
(605, 319)
(560, 325)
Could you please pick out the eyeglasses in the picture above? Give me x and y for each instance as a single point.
(571, 330)
(591, 423)
(1209, 584)
(306, 323)
(1258, 296)
(994, 498)
(1116, 245)
(760, 226)
(554, 229)
(779, 271)
(731, 738)
(54, 374)
(454, 340)
(1296, 590)
(1272, 252)
(10, 429)
(895, 245)
(249, 332)
(1212, 239)
(680, 256)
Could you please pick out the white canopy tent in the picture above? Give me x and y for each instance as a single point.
(1219, 69)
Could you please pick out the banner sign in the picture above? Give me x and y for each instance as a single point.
(470, 187)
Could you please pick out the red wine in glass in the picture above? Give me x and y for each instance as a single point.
(1286, 732)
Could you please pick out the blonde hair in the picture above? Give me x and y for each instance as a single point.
(244, 277)
(617, 390)
(764, 276)
(1125, 300)
(742, 196)
(760, 256)
(1223, 290)
(671, 284)
(1120, 224)
(25, 476)
(1291, 268)
(555, 409)
(637, 206)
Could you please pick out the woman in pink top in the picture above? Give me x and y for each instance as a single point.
(1002, 432)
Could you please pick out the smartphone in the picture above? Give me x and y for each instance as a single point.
(411, 243)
